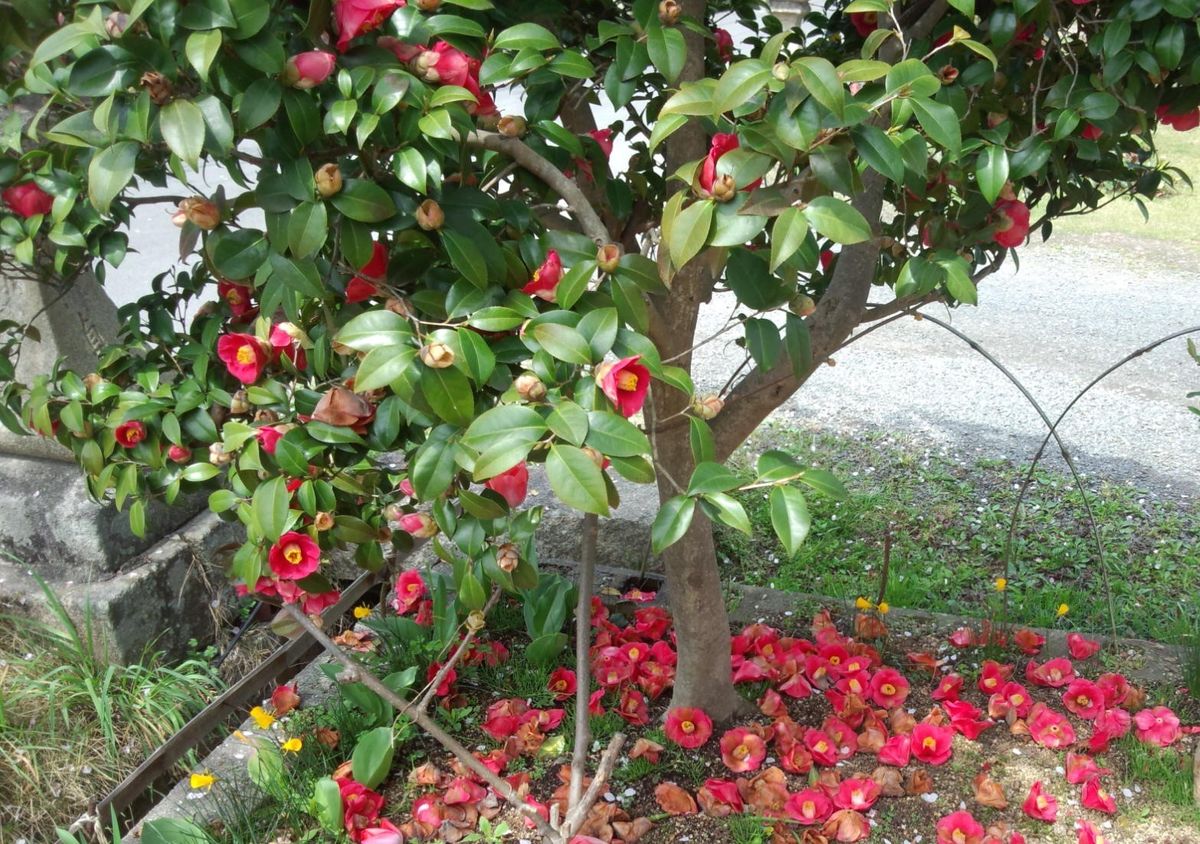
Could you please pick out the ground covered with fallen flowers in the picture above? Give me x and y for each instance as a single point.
(853, 732)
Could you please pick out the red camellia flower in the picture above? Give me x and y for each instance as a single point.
(1110, 724)
(1081, 768)
(310, 69)
(724, 42)
(963, 637)
(355, 17)
(864, 23)
(1048, 728)
(179, 454)
(360, 807)
(1054, 673)
(1094, 796)
(410, 589)
(295, 556)
(513, 484)
(244, 355)
(239, 298)
(268, 437)
(625, 383)
(633, 708)
(129, 434)
(824, 750)
(1084, 698)
(1091, 132)
(808, 807)
(1116, 688)
(1012, 225)
(688, 727)
(1180, 121)
(742, 750)
(896, 751)
(948, 688)
(993, 676)
(965, 718)
(721, 143)
(1039, 805)
(443, 688)
(1029, 641)
(889, 688)
(546, 278)
(284, 699)
(858, 793)
(1014, 696)
(420, 525)
(385, 833)
(562, 683)
(1088, 834)
(1081, 648)
(285, 341)
(27, 199)
(504, 717)
(1158, 726)
(932, 744)
(366, 284)
(720, 798)
(959, 828)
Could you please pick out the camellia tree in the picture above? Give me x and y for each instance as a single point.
(432, 251)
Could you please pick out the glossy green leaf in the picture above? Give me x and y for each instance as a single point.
(182, 125)
(576, 479)
(789, 517)
(837, 220)
(672, 522)
(372, 757)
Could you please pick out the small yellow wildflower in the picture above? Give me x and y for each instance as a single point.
(262, 718)
(883, 607)
(201, 781)
(1063, 609)
(863, 604)
(1001, 584)
(292, 745)
(361, 612)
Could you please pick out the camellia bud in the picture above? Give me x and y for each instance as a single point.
(92, 380)
(179, 454)
(158, 87)
(437, 355)
(948, 74)
(430, 215)
(707, 407)
(669, 12)
(476, 621)
(323, 521)
(507, 557)
(309, 69)
(608, 257)
(530, 387)
(200, 212)
(116, 24)
(512, 126)
(781, 71)
(217, 455)
(238, 403)
(393, 512)
(420, 525)
(399, 307)
(328, 179)
(802, 305)
(724, 188)
(593, 455)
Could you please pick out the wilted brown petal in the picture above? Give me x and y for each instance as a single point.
(674, 800)
(341, 407)
(919, 782)
(632, 831)
(846, 825)
(890, 784)
(644, 748)
(990, 793)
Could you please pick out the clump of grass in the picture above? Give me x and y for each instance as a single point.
(72, 725)
(1164, 774)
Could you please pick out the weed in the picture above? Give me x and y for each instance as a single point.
(744, 830)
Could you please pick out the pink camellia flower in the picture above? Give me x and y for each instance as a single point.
(1039, 805)
(625, 383)
(562, 683)
(932, 744)
(420, 525)
(179, 454)
(1180, 121)
(808, 807)
(687, 726)
(742, 750)
(959, 828)
(1054, 673)
(503, 718)
(268, 437)
(724, 42)
(1080, 647)
(545, 278)
(1116, 688)
(355, 17)
(385, 833)
(1012, 222)
(993, 676)
(965, 718)
(315, 604)
(963, 637)
(1086, 833)
(512, 484)
(1158, 726)
(244, 355)
(948, 688)
(128, 434)
(822, 748)
(295, 556)
(309, 69)
(463, 792)
(720, 798)
(285, 339)
(1048, 728)
(1013, 696)
(410, 589)
(239, 298)
(889, 688)
(611, 667)
(365, 285)
(1094, 796)
(1029, 641)
(1081, 768)
(360, 807)
(896, 751)
(857, 793)
(1084, 698)
(1110, 724)
(864, 23)
(1091, 132)
(633, 708)
(27, 199)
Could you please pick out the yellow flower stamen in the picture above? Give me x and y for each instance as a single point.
(627, 381)
(245, 354)
(293, 554)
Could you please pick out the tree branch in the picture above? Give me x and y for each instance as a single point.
(564, 186)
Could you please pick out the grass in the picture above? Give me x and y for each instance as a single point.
(1172, 214)
(949, 520)
(72, 725)
(1164, 775)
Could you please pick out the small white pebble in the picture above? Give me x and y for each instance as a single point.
(1016, 751)
(609, 797)
(1127, 792)
(629, 792)
(930, 797)
(1059, 769)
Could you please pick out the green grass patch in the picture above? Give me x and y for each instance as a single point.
(949, 521)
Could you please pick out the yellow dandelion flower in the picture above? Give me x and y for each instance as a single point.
(1063, 609)
(1001, 584)
(361, 612)
(883, 607)
(262, 718)
(863, 604)
(292, 745)
(201, 781)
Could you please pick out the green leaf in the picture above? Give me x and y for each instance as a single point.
(574, 284)
(787, 235)
(940, 122)
(470, 592)
(789, 517)
(763, 342)
(364, 201)
(824, 482)
(695, 99)
(664, 127)
(373, 330)
(449, 394)
(383, 366)
(327, 805)
(821, 79)
(237, 254)
(182, 125)
(615, 436)
(110, 172)
(466, 257)
(991, 171)
(174, 831)
(410, 168)
(967, 7)
(270, 503)
(568, 421)
(710, 477)
(372, 757)
(700, 437)
(837, 220)
(308, 228)
(433, 469)
(572, 64)
(508, 423)
(667, 50)
(545, 649)
(672, 522)
(201, 48)
(727, 510)
(577, 480)
(563, 342)
(877, 149)
(689, 231)
(526, 36)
